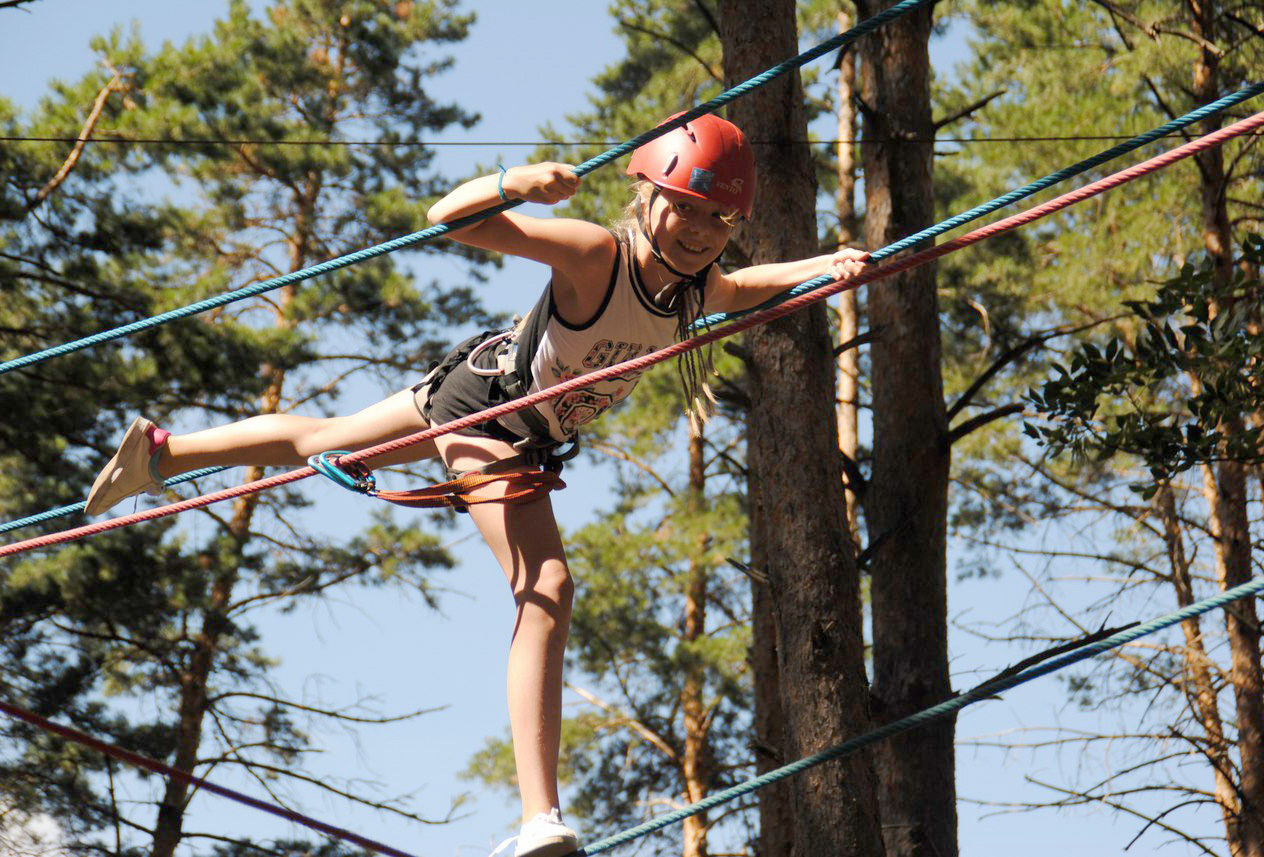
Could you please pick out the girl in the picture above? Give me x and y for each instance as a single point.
(613, 295)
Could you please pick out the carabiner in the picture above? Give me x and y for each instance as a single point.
(360, 479)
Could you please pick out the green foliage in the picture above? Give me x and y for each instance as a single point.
(1178, 394)
(110, 634)
(1069, 80)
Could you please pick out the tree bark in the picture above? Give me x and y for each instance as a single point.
(906, 501)
(848, 301)
(795, 478)
(195, 680)
(1199, 684)
(697, 762)
(1225, 487)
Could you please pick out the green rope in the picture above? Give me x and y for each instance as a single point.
(985, 691)
(435, 231)
(1219, 106)
(63, 511)
(1013, 196)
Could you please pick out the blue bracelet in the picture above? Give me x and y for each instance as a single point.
(500, 184)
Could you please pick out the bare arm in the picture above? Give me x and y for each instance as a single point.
(752, 286)
(580, 253)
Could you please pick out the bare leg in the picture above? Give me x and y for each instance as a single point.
(527, 545)
(288, 439)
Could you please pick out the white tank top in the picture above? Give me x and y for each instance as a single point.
(627, 325)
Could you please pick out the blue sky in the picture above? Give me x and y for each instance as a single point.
(396, 650)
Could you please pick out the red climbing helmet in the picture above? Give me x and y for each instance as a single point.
(707, 157)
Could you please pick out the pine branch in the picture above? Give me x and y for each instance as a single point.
(675, 43)
(98, 105)
(324, 712)
(1040, 657)
(632, 723)
(856, 341)
(967, 110)
(324, 785)
(980, 420)
(1010, 356)
(709, 15)
(1153, 31)
(238, 843)
(1120, 807)
(623, 455)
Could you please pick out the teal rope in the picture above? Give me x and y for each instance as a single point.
(1013, 196)
(435, 231)
(1218, 106)
(63, 511)
(988, 690)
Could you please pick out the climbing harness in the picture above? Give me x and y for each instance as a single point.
(509, 382)
(537, 453)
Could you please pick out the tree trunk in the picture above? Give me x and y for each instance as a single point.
(796, 496)
(168, 829)
(696, 760)
(1226, 487)
(169, 826)
(906, 501)
(848, 301)
(1225, 490)
(1199, 685)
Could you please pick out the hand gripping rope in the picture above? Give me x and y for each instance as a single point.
(934, 231)
(433, 232)
(815, 290)
(1013, 196)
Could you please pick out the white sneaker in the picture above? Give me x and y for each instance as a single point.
(543, 836)
(128, 472)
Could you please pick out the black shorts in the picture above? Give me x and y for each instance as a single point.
(460, 393)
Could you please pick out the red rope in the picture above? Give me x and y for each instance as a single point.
(156, 767)
(1158, 162)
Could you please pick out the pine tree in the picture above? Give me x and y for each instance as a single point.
(159, 614)
(1066, 71)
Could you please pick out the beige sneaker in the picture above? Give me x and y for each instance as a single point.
(546, 836)
(128, 472)
(543, 836)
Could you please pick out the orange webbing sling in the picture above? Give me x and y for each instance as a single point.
(458, 492)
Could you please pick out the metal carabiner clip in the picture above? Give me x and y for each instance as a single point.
(360, 479)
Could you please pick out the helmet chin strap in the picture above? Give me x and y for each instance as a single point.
(697, 277)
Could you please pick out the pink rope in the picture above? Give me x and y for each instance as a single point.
(1066, 200)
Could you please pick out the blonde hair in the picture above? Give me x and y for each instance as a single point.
(695, 366)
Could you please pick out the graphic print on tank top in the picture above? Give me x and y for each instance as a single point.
(627, 325)
(584, 405)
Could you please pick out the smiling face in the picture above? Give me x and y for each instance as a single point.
(690, 231)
